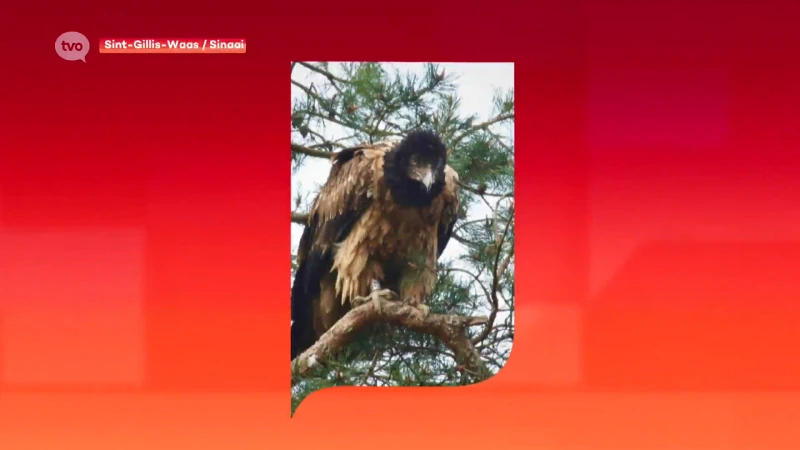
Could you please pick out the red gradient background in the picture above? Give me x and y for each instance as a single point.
(144, 231)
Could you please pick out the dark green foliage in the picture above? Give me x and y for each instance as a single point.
(346, 104)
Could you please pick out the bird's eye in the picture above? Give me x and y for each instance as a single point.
(414, 160)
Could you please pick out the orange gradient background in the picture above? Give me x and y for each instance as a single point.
(144, 230)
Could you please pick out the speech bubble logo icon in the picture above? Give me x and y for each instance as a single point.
(72, 46)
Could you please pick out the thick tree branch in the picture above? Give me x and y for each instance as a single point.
(451, 329)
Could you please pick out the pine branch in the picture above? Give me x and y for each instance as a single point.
(324, 103)
(451, 329)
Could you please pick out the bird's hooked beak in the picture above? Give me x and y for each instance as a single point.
(427, 179)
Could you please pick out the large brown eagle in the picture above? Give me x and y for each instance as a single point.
(381, 221)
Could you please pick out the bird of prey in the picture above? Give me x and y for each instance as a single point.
(380, 222)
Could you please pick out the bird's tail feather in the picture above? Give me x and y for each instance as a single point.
(302, 315)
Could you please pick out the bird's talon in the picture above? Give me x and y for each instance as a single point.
(424, 309)
(376, 298)
(415, 303)
(387, 294)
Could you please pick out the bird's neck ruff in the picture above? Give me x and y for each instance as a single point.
(407, 192)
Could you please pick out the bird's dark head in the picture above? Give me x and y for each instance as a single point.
(414, 169)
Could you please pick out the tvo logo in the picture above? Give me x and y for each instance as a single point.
(72, 46)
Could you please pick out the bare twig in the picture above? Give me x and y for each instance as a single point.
(481, 126)
(326, 73)
(465, 223)
(450, 328)
(324, 103)
(463, 241)
(323, 140)
(334, 143)
(371, 370)
(497, 272)
(499, 141)
(299, 218)
(297, 148)
(477, 192)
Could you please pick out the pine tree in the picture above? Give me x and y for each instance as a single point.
(347, 104)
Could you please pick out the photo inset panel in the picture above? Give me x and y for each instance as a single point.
(402, 223)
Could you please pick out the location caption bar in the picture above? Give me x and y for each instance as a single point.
(177, 45)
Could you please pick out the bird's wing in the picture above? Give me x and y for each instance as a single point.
(338, 206)
(342, 200)
(450, 210)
